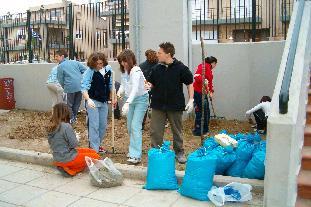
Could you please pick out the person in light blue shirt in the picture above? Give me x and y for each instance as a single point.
(96, 89)
(55, 89)
(69, 75)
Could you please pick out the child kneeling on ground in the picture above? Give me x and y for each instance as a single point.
(62, 139)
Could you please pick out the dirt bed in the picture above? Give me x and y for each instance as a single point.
(26, 130)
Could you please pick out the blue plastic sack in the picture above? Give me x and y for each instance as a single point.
(255, 169)
(257, 137)
(261, 146)
(161, 169)
(239, 136)
(224, 162)
(245, 148)
(199, 174)
(237, 168)
(223, 132)
(210, 144)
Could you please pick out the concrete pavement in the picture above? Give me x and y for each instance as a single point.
(31, 185)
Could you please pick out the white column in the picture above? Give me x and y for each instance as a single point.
(154, 22)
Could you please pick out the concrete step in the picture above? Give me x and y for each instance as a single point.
(306, 158)
(303, 203)
(304, 184)
(309, 114)
(307, 138)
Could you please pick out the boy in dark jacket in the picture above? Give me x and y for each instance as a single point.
(168, 101)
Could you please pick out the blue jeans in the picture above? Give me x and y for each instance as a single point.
(74, 102)
(135, 116)
(97, 123)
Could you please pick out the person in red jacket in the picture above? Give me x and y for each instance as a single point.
(210, 64)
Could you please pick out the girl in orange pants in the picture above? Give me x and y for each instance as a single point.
(62, 139)
(78, 164)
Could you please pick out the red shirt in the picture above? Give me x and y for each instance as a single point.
(197, 85)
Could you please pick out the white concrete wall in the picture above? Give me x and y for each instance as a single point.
(241, 78)
(30, 89)
(286, 131)
(244, 73)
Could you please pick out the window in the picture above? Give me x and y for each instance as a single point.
(198, 9)
(55, 14)
(79, 34)
(241, 8)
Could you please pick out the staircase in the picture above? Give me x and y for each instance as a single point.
(304, 177)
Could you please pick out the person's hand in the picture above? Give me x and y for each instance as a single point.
(78, 136)
(119, 94)
(114, 102)
(211, 94)
(147, 86)
(189, 106)
(91, 103)
(125, 109)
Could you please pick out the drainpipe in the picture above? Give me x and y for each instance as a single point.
(137, 33)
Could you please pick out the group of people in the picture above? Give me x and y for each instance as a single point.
(157, 82)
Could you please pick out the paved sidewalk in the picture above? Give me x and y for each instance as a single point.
(24, 184)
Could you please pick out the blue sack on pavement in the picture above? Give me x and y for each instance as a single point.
(161, 169)
(224, 162)
(255, 169)
(245, 148)
(237, 168)
(239, 136)
(261, 146)
(199, 174)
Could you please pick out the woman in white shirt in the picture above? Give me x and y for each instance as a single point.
(261, 113)
(136, 104)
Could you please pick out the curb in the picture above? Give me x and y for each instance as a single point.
(129, 171)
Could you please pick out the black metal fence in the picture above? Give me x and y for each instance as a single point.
(240, 20)
(34, 36)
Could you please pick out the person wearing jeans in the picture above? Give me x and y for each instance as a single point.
(55, 89)
(69, 75)
(96, 89)
(210, 64)
(136, 104)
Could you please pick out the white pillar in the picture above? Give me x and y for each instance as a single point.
(154, 22)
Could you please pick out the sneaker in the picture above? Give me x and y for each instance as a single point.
(180, 157)
(63, 172)
(102, 150)
(134, 161)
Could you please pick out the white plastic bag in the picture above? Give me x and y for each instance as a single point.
(103, 173)
(233, 192)
(225, 140)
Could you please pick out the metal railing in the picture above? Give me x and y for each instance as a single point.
(79, 29)
(240, 20)
(286, 82)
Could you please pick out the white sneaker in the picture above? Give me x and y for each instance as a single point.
(134, 161)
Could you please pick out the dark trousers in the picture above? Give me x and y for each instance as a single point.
(261, 119)
(158, 121)
(73, 102)
(198, 114)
